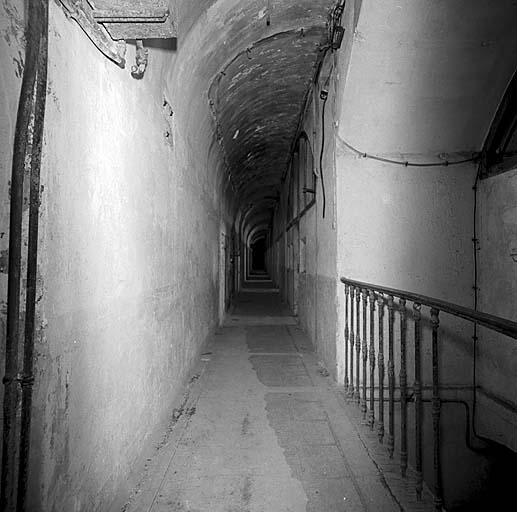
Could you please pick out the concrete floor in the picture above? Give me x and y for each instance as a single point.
(263, 429)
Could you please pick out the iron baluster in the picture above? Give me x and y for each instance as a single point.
(352, 341)
(358, 345)
(391, 377)
(371, 418)
(403, 387)
(380, 302)
(386, 296)
(417, 390)
(365, 352)
(436, 405)
(347, 332)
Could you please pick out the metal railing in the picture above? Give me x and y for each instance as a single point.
(365, 350)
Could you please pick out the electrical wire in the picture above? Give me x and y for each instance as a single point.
(334, 19)
(321, 153)
(475, 287)
(315, 170)
(406, 163)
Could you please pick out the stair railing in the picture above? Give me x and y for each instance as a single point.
(361, 349)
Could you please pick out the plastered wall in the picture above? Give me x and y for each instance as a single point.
(131, 214)
(497, 272)
(401, 227)
(307, 246)
(411, 229)
(316, 230)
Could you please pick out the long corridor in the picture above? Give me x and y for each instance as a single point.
(263, 429)
(258, 255)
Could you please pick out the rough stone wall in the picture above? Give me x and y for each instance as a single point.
(131, 212)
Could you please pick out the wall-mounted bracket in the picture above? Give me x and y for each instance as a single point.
(109, 23)
(82, 13)
(135, 19)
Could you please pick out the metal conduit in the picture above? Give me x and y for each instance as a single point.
(27, 151)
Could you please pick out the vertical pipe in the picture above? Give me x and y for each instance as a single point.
(365, 352)
(20, 154)
(436, 405)
(358, 345)
(347, 332)
(32, 259)
(391, 377)
(381, 368)
(403, 388)
(417, 387)
(371, 418)
(352, 340)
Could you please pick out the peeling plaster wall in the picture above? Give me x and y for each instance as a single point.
(497, 354)
(132, 207)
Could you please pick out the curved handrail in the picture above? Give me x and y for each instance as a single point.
(502, 325)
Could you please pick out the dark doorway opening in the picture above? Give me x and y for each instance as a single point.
(258, 257)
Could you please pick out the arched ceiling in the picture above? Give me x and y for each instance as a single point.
(257, 99)
(253, 61)
(436, 72)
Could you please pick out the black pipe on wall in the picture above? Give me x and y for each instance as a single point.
(27, 378)
(26, 151)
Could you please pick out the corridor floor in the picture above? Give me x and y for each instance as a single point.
(262, 429)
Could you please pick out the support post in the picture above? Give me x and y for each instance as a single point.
(417, 387)
(371, 418)
(391, 377)
(358, 346)
(352, 341)
(365, 351)
(436, 406)
(347, 333)
(403, 388)
(380, 302)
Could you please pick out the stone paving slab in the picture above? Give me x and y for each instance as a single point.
(267, 434)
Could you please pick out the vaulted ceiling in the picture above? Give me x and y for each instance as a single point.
(256, 62)
(421, 77)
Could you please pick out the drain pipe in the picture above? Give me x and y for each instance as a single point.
(35, 28)
(27, 378)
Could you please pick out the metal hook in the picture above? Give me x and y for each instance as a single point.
(138, 70)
